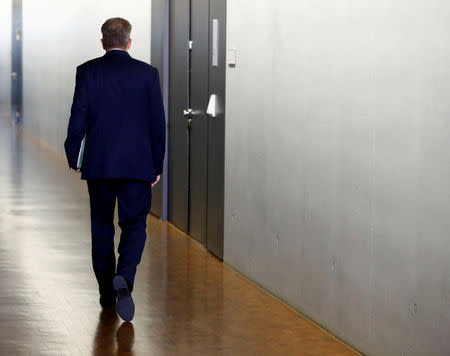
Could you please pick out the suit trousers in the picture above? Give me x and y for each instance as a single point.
(134, 202)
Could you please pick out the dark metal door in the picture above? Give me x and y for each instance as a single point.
(188, 120)
(216, 129)
(16, 61)
(199, 90)
(178, 102)
(195, 181)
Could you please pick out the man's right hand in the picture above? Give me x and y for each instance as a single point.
(156, 181)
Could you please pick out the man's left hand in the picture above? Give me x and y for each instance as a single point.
(156, 181)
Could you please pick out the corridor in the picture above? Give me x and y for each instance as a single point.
(188, 302)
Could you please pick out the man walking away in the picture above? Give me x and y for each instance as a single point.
(116, 139)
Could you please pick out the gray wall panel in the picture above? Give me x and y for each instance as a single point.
(337, 165)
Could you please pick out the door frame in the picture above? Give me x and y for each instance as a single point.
(216, 134)
(16, 62)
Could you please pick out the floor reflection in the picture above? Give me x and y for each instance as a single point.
(125, 338)
(110, 339)
(16, 155)
(188, 302)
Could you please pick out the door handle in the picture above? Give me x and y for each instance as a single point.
(188, 113)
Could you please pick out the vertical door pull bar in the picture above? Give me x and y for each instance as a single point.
(215, 43)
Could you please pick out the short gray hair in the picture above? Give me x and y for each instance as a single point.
(116, 33)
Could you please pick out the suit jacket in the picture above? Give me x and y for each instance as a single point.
(118, 106)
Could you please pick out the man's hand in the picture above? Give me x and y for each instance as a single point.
(156, 181)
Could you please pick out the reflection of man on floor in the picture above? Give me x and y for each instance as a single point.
(107, 329)
(116, 139)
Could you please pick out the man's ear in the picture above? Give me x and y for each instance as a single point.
(103, 45)
(129, 44)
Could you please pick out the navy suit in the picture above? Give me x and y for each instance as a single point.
(118, 106)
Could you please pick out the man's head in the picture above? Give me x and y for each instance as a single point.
(116, 34)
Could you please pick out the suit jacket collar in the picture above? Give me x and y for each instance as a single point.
(116, 52)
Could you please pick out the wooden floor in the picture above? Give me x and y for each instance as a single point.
(188, 302)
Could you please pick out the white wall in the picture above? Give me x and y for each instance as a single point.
(58, 36)
(338, 164)
(5, 54)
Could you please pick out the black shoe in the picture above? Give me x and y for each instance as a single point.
(107, 301)
(125, 304)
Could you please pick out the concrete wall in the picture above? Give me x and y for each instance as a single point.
(338, 165)
(58, 36)
(5, 54)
